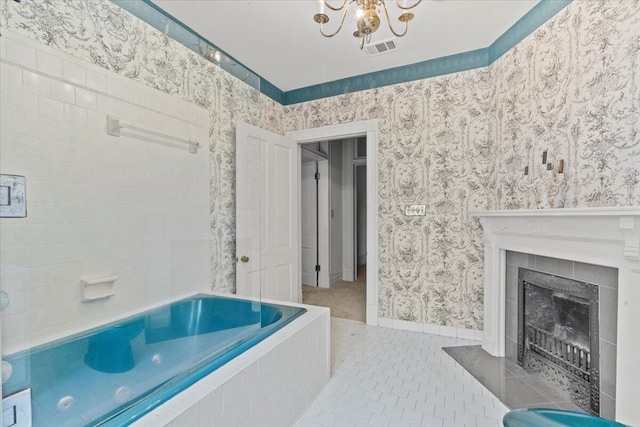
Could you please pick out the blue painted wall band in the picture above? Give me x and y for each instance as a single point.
(538, 15)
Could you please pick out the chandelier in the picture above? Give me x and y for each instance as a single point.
(367, 17)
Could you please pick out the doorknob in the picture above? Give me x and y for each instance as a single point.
(243, 258)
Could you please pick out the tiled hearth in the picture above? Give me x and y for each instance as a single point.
(507, 381)
(590, 245)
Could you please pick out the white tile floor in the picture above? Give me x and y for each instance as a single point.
(391, 378)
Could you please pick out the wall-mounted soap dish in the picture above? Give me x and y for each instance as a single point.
(96, 289)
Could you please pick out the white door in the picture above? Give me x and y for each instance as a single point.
(267, 173)
(309, 223)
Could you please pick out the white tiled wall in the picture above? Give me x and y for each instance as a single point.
(97, 205)
(270, 385)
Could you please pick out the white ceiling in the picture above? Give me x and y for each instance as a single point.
(279, 40)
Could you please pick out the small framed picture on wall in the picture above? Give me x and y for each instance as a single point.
(13, 196)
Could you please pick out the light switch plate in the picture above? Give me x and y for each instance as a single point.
(13, 196)
(16, 409)
(415, 210)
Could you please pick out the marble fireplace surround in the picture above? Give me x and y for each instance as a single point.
(602, 236)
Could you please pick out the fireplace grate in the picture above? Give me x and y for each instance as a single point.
(571, 357)
(558, 334)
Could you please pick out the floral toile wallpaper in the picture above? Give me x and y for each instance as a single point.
(461, 142)
(573, 87)
(455, 143)
(101, 32)
(436, 147)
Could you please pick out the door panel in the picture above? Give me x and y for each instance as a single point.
(309, 225)
(266, 214)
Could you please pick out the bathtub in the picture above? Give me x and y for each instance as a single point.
(115, 374)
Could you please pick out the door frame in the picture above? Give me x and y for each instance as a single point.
(354, 168)
(344, 131)
(307, 172)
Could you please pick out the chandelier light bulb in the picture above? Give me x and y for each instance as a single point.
(367, 17)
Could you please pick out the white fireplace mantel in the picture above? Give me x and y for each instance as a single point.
(602, 236)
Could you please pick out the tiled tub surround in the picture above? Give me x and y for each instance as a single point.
(114, 374)
(271, 384)
(608, 237)
(607, 280)
(97, 205)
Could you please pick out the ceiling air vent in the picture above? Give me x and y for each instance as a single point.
(381, 47)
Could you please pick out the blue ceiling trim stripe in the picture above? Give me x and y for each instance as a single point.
(538, 15)
(465, 61)
(269, 89)
(533, 19)
(420, 70)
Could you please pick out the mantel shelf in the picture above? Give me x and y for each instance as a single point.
(604, 211)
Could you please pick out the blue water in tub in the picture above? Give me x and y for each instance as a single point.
(111, 376)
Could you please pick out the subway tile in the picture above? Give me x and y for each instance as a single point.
(608, 316)
(63, 92)
(511, 317)
(36, 83)
(464, 417)
(608, 354)
(3, 47)
(231, 391)
(50, 109)
(188, 418)
(11, 75)
(511, 283)
(519, 259)
(96, 120)
(607, 407)
(599, 275)
(75, 115)
(412, 416)
(21, 101)
(96, 80)
(49, 64)
(74, 73)
(432, 421)
(559, 267)
(106, 104)
(20, 53)
(511, 349)
(86, 99)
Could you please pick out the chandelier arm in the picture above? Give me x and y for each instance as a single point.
(337, 8)
(406, 7)
(406, 24)
(344, 14)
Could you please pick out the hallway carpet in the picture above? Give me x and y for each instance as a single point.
(346, 300)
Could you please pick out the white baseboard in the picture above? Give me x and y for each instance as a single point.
(362, 259)
(347, 274)
(335, 276)
(430, 328)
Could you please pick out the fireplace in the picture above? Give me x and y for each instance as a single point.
(588, 238)
(558, 323)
